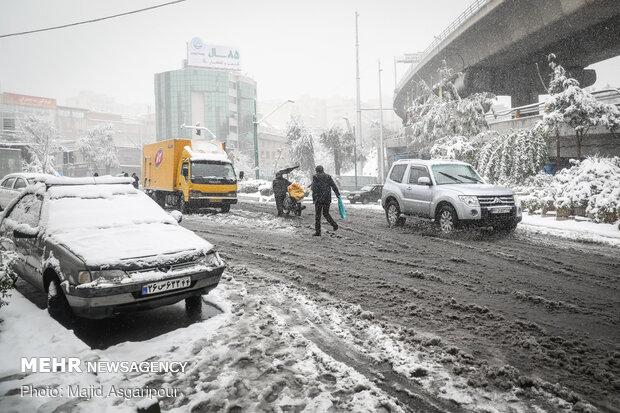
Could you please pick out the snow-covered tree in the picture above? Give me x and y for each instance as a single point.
(512, 157)
(341, 145)
(42, 139)
(439, 112)
(300, 143)
(98, 148)
(576, 107)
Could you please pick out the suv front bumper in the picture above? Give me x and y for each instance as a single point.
(104, 302)
(485, 216)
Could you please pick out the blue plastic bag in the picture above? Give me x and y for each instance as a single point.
(341, 210)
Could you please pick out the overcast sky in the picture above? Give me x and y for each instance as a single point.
(290, 47)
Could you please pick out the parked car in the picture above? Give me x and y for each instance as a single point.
(12, 184)
(449, 192)
(100, 247)
(368, 193)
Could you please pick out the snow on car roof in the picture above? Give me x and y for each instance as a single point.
(431, 161)
(50, 180)
(28, 175)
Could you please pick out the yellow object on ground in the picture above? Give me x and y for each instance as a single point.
(296, 191)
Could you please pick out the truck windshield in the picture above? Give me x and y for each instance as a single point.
(204, 172)
(455, 174)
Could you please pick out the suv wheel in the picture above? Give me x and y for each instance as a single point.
(447, 219)
(392, 214)
(57, 304)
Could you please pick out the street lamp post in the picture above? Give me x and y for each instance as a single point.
(257, 122)
(354, 148)
(199, 128)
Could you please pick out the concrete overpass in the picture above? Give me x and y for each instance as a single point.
(496, 45)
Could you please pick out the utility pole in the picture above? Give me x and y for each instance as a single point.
(255, 123)
(380, 145)
(357, 85)
(352, 133)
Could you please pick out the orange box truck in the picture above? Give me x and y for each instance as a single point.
(189, 174)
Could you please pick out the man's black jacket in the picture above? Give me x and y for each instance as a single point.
(322, 185)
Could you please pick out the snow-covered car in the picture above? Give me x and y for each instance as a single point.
(450, 192)
(99, 247)
(368, 193)
(12, 184)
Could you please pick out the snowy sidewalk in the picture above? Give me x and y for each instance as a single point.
(576, 230)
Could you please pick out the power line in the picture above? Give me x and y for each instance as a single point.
(92, 20)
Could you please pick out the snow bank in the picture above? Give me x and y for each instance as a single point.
(570, 229)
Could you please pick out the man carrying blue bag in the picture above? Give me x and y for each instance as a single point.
(322, 186)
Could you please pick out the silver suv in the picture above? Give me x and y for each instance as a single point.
(450, 192)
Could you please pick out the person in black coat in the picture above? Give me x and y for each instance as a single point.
(322, 186)
(280, 189)
(136, 180)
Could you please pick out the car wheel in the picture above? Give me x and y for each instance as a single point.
(446, 219)
(352, 201)
(392, 214)
(365, 201)
(225, 208)
(193, 306)
(57, 304)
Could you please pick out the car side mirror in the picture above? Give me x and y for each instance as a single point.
(424, 180)
(22, 234)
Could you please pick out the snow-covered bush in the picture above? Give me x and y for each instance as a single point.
(250, 186)
(593, 184)
(512, 157)
(7, 276)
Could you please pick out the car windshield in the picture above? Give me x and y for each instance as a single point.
(212, 171)
(79, 207)
(367, 188)
(455, 174)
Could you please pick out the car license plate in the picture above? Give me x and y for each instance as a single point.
(501, 210)
(167, 285)
(215, 200)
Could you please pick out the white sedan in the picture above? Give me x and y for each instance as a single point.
(13, 184)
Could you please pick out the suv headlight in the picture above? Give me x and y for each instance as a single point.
(469, 200)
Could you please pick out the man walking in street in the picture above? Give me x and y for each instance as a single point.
(322, 186)
(280, 189)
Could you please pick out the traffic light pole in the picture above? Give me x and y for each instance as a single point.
(255, 123)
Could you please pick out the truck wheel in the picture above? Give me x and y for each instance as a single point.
(392, 214)
(225, 208)
(193, 306)
(446, 219)
(160, 198)
(57, 304)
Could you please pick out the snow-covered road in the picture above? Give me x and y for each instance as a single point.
(364, 319)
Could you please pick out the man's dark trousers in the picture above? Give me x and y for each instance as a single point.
(322, 209)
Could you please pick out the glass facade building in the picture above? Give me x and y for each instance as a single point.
(221, 100)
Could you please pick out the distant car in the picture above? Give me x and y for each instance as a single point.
(368, 193)
(450, 192)
(12, 184)
(100, 247)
